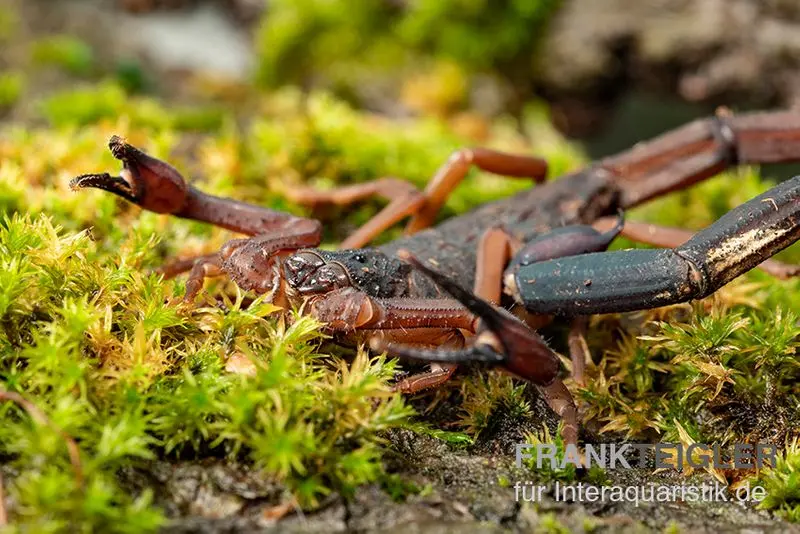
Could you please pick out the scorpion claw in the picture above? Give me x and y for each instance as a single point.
(145, 180)
(502, 338)
(106, 182)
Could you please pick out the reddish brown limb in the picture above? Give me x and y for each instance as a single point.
(670, 237)
(432, 337)
(561, 402)
(702, 149)
(578, 349)
(204, 267)
(405, 199)
(494, 251)
(417, 322)
(455, 170)
(41, 418)
(181, 265)
(438, 374)
(346, 310)
(156, 186)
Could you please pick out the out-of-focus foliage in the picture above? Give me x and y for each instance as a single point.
(346, 43)
(12, 84)
(66, 52)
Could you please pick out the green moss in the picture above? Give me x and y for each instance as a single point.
(782, 482)
(94, 345)
(549, 524)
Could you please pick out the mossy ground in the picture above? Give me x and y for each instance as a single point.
(100, 346)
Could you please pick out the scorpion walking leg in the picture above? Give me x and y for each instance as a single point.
(456, 168)
(669, 237)
(204, 267)
(578, 350)
(419, 322)
(504, 340)
(178, 266)
(494, 251)
(702, 149)
(407, 200)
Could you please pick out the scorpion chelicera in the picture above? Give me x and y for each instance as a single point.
(526, 258)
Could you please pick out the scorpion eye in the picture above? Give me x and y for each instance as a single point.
(327, 278)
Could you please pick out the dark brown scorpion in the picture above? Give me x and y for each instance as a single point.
(535, 252)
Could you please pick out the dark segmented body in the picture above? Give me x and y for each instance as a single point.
(451, 247)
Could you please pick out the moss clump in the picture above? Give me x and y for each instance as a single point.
(782, 482)
(96, 345)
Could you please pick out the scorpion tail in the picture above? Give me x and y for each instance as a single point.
(502, 338)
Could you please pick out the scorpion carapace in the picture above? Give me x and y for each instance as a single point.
(370, 295)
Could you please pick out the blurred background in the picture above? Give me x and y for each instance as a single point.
(612, 72)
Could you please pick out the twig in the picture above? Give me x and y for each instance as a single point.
(40, 417)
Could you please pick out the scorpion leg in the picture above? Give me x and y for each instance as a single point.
(669, 237)
(702, 149)
(494, 251)
(204, 267)
(407, 200)
(420, 322)
(348, 310)
(181, 265)
(578, 349)
(505, 341)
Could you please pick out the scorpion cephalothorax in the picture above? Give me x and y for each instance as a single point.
(540, 247)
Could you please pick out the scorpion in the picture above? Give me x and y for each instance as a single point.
(477, 286)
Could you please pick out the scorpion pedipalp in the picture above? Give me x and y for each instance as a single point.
(146, 181)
